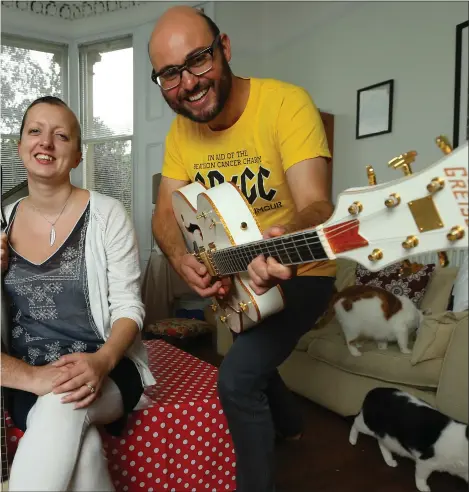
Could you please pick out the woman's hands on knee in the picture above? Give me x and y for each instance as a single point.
(83, 379)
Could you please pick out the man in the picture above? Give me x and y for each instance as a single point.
(280, 162)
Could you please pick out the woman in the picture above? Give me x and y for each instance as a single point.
(72, 277)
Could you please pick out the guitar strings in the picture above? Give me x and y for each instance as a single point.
(238, 256)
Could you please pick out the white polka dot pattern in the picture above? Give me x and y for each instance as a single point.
(181, 441)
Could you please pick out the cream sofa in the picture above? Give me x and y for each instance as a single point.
(322, 369)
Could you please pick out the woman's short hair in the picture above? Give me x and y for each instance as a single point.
(54, 101)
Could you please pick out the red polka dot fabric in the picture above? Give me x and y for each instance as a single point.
(181, 440)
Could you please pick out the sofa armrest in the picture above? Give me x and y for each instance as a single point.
(452, 393)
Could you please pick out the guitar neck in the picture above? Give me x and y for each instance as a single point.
(290, 249)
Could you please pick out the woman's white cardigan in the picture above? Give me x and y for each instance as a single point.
(113, 271)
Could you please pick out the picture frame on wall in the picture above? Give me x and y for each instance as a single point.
(461, 87)
(375, 109)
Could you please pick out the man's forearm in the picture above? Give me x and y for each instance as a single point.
(311, 216)
(169, 237)
(16, 373)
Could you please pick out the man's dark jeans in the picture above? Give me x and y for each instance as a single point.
(254, 398)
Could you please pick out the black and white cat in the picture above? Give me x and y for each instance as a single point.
(409, 427)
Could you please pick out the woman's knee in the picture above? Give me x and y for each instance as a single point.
(49, 408)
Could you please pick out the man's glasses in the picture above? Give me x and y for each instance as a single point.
(197, 64)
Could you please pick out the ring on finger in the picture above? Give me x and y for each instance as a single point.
(90, 387)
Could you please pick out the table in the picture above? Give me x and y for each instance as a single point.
(181, 440)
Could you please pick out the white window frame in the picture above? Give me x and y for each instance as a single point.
(86, 105)
(31, 43)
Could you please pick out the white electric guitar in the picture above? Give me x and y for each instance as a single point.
(373, 225)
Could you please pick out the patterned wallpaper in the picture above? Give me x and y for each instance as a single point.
(70, 10)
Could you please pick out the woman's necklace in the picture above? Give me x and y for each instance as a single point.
(52, 231)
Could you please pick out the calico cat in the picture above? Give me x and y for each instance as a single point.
(368, 312)
(409, 427)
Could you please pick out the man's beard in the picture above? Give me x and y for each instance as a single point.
(221, 96)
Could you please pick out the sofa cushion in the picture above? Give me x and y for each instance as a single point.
(390, 278)
(328, 345)
(434, 336)
(178, 328)
(438, 291)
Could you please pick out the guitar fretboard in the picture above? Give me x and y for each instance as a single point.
(292, 249)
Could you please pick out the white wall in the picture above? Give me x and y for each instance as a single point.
(335, 48)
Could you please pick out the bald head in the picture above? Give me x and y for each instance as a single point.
(176, 27)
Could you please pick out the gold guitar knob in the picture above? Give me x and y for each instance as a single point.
(393, 200)
(436, 184)
(370, 172)
(224, 318)
(214, 307)
(375, 255)
(443, 259)
(403, 162)
(456, 233)
(355, 208)
(443, 144)
(410, 242)
(243, 306)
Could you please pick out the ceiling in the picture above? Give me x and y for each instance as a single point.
(70, 10)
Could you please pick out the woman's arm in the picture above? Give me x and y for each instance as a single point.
(126, 311)
(123, 334)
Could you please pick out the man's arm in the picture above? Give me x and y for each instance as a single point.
(304, 152)
(16, 373)
(34, 379)
(309, 183)
(164, 226)
(171, 241)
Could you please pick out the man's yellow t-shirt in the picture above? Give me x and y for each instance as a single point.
(279, 127)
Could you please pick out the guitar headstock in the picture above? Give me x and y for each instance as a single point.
(422, 212)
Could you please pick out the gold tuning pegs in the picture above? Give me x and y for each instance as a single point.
(393, 200)
(436, 184)
(456, 233)
(410, 242)
(375, 255)
(443, 259)
(355, 208)
(443, 144)
(403, 162)
(370, 172)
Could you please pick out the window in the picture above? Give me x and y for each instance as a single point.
(106, 100)
(29, 69)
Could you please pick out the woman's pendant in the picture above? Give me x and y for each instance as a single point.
(52, 236)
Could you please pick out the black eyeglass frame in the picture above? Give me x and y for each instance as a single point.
(180, 68)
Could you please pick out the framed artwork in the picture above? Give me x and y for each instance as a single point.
(461, 88)
(374, 109)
